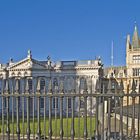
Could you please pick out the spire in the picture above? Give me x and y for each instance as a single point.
(135, 27)
(135, 39)
(112, 54)
(128, 42)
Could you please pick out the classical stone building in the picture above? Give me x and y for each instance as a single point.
(132, 69)
(73, 74)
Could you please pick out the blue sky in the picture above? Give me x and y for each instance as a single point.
(66, 29)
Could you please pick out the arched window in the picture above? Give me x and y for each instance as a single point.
(70, 85)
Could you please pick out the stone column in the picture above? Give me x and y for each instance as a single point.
(34, 84)
(47, 100)
(77, 83)
(65, 92)
(88, 79)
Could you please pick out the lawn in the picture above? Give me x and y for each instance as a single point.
(78, 125)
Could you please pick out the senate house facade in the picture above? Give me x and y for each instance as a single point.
(73, 74)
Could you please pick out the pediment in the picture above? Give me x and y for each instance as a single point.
(27, 64)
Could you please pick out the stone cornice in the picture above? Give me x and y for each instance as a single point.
(78, 68)
(37, 62)
(18, 70)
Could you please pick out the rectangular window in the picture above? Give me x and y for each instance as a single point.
(30, 84)
(69, 102)
(136, 59)
(55, 102)
(42, 84)
(4, 100)
(68, 63)
(41, 102)
(113, 85)
(19, 100)
(136, 71)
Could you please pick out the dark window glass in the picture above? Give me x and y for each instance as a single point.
(41, 102)
(30, 84)
(55, 102)
(42, 84)
(69, 102)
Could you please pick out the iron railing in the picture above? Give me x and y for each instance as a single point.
(44, 113)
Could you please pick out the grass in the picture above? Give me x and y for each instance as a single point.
(78, 126)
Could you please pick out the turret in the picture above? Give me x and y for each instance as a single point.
(128, 48)
(128, 45)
